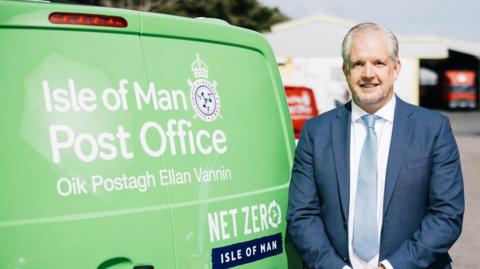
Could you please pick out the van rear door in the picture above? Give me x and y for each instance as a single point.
(76, 188)
(227, 177)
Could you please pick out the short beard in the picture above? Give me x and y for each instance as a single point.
(362, 100)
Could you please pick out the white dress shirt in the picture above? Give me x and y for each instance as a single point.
(358, 132)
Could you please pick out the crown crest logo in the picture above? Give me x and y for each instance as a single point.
(203, 93)
(199, 68)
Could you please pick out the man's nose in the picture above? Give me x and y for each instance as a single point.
(368, 71)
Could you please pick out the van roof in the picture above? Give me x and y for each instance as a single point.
(35, 14)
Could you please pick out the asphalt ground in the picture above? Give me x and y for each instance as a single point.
(466, 127)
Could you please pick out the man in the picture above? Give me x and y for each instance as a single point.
(376, 183)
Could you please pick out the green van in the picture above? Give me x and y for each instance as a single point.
(137, 140)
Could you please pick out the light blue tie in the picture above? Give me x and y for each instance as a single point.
(365, 236)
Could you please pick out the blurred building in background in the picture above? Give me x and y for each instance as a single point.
(309, 54)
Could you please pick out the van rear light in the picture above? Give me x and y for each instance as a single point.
(87, 19)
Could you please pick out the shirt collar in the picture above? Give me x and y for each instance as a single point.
(386, 112)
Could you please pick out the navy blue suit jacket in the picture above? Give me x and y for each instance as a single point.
(423, 203)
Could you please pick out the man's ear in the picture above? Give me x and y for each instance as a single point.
(344, 69)
(396, 68)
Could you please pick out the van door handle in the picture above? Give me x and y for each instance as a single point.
(116, 263)
(122, 263)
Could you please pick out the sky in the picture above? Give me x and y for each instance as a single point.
(455, 19)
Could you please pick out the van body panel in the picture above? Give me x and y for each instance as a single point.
(62, 69)
(242, 82)
(58, 203)
(89, 242)
(166, 143)
(253, 162)
(203, 30)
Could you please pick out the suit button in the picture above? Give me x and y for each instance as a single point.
(345, 258)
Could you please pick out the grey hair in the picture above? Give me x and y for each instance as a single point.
(368, 27)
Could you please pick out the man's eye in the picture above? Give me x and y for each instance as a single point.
(379, 63)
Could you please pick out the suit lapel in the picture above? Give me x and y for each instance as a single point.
(401, 135)
(341, 154)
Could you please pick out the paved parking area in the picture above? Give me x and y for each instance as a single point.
(466, 126)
